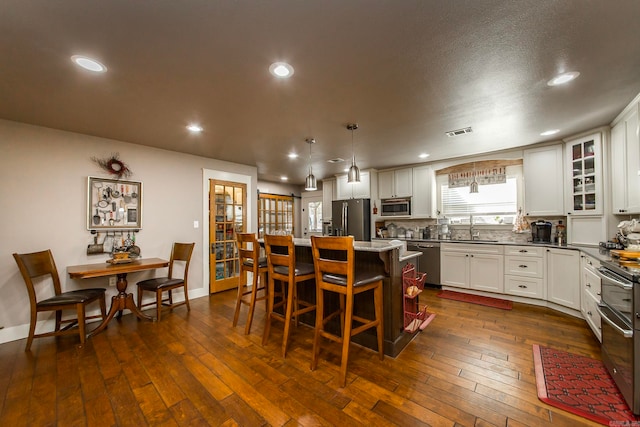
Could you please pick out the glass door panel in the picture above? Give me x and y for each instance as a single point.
(227, 207)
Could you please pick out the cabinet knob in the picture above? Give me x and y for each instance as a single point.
(522, 286)
(522, 266)
(588, 285)
(589, 313)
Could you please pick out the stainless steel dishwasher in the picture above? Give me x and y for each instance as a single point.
(429, 261)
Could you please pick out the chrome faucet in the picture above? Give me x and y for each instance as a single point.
(472, 232)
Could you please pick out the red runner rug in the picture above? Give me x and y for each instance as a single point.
(580, 385)
(476, 299)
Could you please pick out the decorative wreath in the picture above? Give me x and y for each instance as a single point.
(114, 166)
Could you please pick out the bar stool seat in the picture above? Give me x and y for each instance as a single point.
(283, 268)
(334, 260)
(248, 253)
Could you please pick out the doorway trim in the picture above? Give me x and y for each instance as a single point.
(251, 182)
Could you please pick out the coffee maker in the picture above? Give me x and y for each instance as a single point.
(541, 231)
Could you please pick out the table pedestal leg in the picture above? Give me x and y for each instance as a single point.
(119, 303)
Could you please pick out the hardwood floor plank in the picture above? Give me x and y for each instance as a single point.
(472, 366)
(98, 411)
(246, 391)
(152, 406)
(42, 407)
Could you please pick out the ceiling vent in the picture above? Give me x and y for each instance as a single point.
(336, 160)
(458, 132)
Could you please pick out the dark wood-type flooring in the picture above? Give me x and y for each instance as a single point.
(472, 366)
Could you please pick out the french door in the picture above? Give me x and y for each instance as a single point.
(227, 216)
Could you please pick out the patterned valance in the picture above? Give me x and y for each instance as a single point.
(496, 175)
(485, 171)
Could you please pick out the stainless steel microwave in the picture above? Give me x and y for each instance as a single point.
(395, 207)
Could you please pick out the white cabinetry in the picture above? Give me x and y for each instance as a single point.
(591, 291)
(472, 266)
(423, 202)
(584, 175)
(543, 175)
(364, 189)
(625, 161)
(563, 277)
(524, 269)
(395, 183)
(328, 196)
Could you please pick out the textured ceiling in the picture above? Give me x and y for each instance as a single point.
(405, 70)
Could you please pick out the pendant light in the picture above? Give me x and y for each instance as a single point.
(310, 183)
(473, 188)
(354, 172)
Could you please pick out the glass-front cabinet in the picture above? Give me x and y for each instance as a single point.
(275, 214)
(585, 175)
(227, 217)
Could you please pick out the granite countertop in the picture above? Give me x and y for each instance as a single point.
(373, 246)
(598, 253)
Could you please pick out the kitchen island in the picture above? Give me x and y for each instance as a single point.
(386, 258)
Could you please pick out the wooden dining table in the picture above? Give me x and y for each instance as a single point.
(122, 300)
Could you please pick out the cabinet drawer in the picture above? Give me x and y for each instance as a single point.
(524, 266)
(591, 315)
(524, 286)
(522, 251)
(472, 248)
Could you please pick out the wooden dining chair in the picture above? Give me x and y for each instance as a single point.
(250, 262)
(159, 285)
(35, 266)
(283, 268)
(334, 261)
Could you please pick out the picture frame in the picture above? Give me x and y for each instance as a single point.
(113, 204)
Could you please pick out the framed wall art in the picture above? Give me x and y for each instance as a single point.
(113, 204)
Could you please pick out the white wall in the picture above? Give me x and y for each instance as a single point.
(43, 178)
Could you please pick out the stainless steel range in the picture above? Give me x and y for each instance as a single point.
(620, 312)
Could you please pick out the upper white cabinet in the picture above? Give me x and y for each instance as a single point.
(423, 202)
(365, 189)
(625, 161)
(395, 183)
(328, 195)
(543, 177)
(584, 175)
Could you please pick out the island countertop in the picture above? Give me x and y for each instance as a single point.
(374, 246)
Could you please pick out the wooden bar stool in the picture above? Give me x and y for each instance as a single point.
(250, 262)
(334, 260)
(281, 260)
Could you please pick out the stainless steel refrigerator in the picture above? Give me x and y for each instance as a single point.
(352, 218)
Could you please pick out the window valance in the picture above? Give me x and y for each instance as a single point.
(485, 172)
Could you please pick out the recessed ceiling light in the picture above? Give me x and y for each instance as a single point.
(563, 78)
(281, 70)
(423, 155)
(550, 132)
(89, 64)
(195, 128)
(283, 178)
(293, 155)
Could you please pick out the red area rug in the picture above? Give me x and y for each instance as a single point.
(580, 385)
(476, 299)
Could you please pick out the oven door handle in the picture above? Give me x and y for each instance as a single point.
(604, 274)
(627, 333)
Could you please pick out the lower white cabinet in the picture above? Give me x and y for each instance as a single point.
(524, 268)
(563, 277)
(591, 294)
(472, 266)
